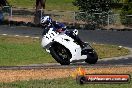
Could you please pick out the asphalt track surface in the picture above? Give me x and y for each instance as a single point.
(121, 38)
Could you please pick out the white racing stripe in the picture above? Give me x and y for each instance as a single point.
(3, 34)
(17, 35)
(26, 36)
(20, 36)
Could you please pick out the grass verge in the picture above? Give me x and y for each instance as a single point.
(25, 51)
(50, 4)
(107, 51)
(59, 83)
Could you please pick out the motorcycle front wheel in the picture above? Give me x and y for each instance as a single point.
(60, 53)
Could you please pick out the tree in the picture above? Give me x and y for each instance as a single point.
(3, 3)
(93, 6)
(126, 10)
(40, 4)
(95, 11)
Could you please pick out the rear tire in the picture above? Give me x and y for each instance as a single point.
(60, 53)
(92, 58)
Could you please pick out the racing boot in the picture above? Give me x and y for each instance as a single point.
(85, 49)
(77, 39)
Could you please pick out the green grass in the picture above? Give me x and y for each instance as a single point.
(60, 5)
(50, 4)
(20, 51)
(22, 3)
(106, 51)
(59, 83)
(25, 51)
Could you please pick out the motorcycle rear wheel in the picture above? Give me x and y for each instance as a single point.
(60, 53)
(92, 57)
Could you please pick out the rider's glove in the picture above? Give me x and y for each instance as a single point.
(59, 30)
(63, 29)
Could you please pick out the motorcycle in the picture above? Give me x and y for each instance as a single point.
(65, 50)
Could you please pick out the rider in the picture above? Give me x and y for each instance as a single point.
(47, 23)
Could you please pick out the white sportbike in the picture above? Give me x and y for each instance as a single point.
(65, 50)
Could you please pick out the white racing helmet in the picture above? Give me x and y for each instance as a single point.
(45, 20)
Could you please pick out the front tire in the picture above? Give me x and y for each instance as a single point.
(60, 53)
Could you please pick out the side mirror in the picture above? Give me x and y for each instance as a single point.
(75, 31)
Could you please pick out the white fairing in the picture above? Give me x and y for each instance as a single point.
(72, 46)
(47, 39)
(65, 40)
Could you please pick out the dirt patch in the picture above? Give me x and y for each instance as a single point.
(20, 18)
(14, 75)
(19, 40)
(115, 26)
(18, 75)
